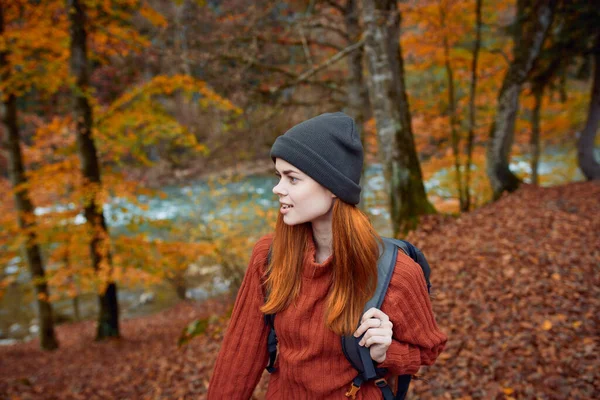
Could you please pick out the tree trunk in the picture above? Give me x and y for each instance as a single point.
(181, 289)
(76, 311)
(73, 280)
(455, 139)
(25, 208)
(108, 317)
(472, 95)
(359, 106)
(585, 146)
(538, 94)
(405, 186)
(532, 25)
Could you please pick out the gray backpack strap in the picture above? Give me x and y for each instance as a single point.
(359, 356)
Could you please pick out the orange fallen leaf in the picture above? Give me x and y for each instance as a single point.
(547, 325)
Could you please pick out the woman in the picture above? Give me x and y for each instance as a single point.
(323, 270)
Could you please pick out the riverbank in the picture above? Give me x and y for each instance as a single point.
(515, 286)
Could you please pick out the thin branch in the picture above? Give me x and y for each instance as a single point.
(305, 46)
(294, 77)
(304, 76)
(320, 25)
(255, 63)
(283, 41)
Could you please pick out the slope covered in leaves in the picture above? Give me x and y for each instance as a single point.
(517, 290)
(516, 287)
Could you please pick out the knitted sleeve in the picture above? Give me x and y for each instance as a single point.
(416, 339)
(243, 355)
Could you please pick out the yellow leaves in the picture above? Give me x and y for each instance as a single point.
(35, 39)
(137, 120)
(555, 276)
(577, 324)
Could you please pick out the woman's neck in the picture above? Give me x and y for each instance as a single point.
(323, 240)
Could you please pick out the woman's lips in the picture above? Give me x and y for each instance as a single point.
(284, 209)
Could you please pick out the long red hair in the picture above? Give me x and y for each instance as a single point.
(355, 249)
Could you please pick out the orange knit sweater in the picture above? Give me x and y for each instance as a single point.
(310, 362)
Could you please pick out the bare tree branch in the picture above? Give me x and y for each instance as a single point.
(305, 46)
(320, 25)
(283, 41)
(304, 76)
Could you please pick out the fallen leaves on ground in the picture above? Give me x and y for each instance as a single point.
(516, 288)
(145, 363)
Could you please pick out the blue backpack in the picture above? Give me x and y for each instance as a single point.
(359, 356)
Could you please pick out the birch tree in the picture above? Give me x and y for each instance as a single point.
(359, 106)
(407, 197)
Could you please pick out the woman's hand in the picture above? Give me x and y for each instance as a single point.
(378, 336)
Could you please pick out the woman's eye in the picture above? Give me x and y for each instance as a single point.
(293, 180)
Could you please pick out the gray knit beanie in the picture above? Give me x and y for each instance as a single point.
(328, 149)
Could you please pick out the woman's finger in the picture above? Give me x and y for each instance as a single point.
(375, 313)
(372, 323)
(384, 340)
(373, 333)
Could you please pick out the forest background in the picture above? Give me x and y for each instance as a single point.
(136, 134)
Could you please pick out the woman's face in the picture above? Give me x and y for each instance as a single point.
(307, 199)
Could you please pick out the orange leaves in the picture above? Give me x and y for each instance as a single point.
(111, 29)
(35, 37)
(153, 16)
(429, 29)
(137, 123)
(432, 21)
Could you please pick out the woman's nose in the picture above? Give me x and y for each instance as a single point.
(277, 189)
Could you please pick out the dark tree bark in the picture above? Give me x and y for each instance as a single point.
(533, 20)
(472, 95)
(454, 134)
(26, 218)
(534, 143)
(359, 106)
(108, 317)
(408, 200)
(585, 146)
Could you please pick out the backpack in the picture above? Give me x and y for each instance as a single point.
(359, 356)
